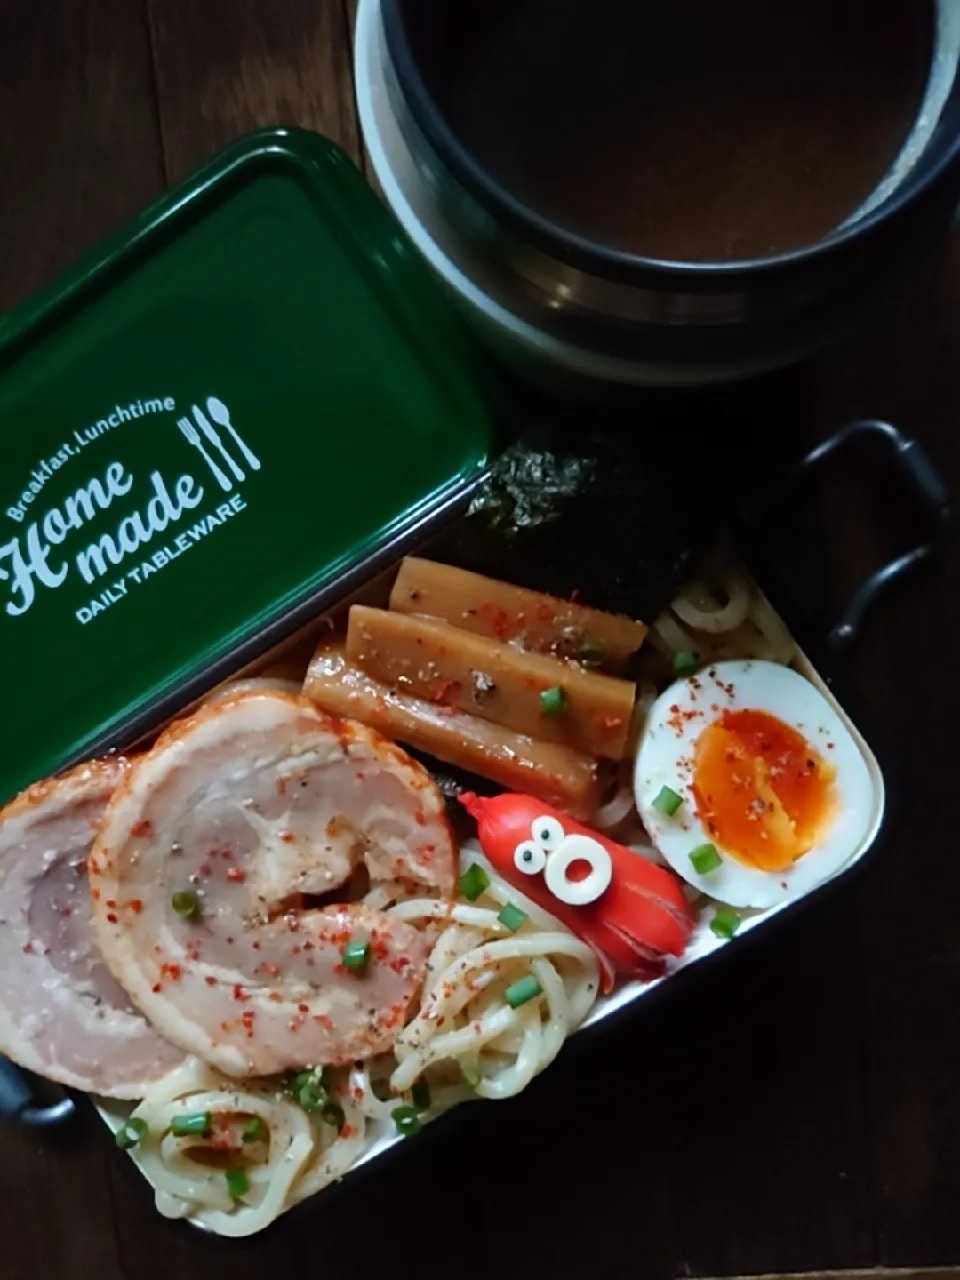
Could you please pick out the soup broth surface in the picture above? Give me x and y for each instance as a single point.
(690, 129)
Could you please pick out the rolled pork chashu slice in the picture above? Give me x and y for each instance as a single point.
(248, 804)
(62, 1014)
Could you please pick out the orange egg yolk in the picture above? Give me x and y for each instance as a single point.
(764, 794)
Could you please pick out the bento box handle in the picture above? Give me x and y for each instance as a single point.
(923, 484)
(17, 1100)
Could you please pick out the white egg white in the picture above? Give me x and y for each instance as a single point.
(665, 759)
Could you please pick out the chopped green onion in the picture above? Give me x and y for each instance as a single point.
(420, 1093)
(553, 702)
(238, 1184)
(333, 1114)
(474, 881)
(705, 858)
(512, 917)
(255, 1129)
(292, 1084)
(407, 1120)
(312, 1096)
(592, 653)
(667, 801)
(197, 1124)
(527, 988)
(470, 1073)
(685, 663)
(725, 922)
(129, 1134)
(185, 903)
(356, 956)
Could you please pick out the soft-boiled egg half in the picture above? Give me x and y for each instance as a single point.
(750, 784)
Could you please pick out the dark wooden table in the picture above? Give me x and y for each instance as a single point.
(802, 1113)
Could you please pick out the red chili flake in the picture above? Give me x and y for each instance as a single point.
(281, 786)
(831, 745)
(136, 905)
(347, 1131)
(239, 993)
(237, 874)
(246, 1019)
(340, 968)
(322, 1020)
(296, 1022)
(273, 970)
(359, 1094)
(96, 894)
(210, 980)
(80, 867)
(65, 912)
(204, 869)
(287, 837)
(230, 940)
(172, 971)
(156, 988)
(28, 948)
(441, 1020)
(111, 903)
(142, 828)
(111, 918)
(308, 946)
(360, 776)
(255, 945)
(421, 818)
(296, 951)
(275, 996)
(304, 1008)
(95, 868)
(447, 691)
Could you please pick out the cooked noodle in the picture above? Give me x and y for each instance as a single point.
(700, 609)
(746, 626)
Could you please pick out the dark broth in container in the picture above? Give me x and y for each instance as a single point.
(693, 130)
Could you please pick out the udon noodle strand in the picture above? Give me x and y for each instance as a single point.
(700, 608)
(745, 627)
(186, 1188)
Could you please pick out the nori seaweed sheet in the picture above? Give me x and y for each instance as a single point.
(615, 505)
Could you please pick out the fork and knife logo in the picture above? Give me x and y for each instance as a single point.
(208, 433)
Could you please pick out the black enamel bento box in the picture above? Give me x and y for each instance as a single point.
(236, 419)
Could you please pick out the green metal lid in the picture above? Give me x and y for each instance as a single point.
(249, 395)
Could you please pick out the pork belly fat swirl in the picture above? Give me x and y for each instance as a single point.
(61, 1012)
(217, 832)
